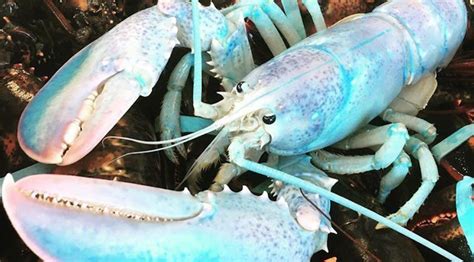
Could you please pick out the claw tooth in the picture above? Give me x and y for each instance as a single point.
(227, 189)
(245, 190)
(326, 229)
(186, 191)
(213, 70)
(72, 132)
(325, 247)
(211, 63)
(212, 5)
(216, 46)
(86, 112)
(273, 192)
(89, 102)
(55, 200)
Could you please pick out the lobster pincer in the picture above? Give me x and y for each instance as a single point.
(91, 219)
(92, 91)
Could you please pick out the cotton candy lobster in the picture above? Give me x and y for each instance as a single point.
(318, 93)
(321, 90)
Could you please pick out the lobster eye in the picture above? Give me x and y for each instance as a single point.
(241, 86)
(269, 119)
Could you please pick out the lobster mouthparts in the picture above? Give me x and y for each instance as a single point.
(94, 219)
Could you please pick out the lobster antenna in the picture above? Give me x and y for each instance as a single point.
(176, 141)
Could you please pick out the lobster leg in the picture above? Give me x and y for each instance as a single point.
(316, 13)
(408, 103)
(293, 12)
(169, 115)
(429, 176)
(394, 177)
(265, 25)
(393, 138)
(426, 131)
(415, 147)
(449, 144)
(465, 208)
(367, 138)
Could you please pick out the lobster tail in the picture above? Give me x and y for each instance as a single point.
(429, 48)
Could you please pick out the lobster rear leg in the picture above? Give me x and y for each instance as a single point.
(392, 138)
(356, 164)
(292, 10)
(371, 137)
(449, 144)
(394, 177)
(426, 131)
(429, 176)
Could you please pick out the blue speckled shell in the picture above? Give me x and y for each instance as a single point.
(330, 84)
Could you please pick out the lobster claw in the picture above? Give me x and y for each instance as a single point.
(108, 220)
(92, 91)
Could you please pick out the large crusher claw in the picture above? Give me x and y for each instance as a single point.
(73, 218)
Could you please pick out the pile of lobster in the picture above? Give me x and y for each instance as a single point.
(286, 95)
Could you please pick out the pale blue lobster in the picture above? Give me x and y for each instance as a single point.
(310, 96)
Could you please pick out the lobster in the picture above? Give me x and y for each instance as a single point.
(297, 103)
(211, 225)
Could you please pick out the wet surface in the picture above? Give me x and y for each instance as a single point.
(44, 34)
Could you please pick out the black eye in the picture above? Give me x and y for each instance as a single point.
(239, 85)
(269, 119)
